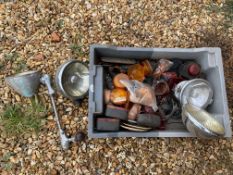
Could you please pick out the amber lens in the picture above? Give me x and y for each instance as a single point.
(147, 67)
(117, 78)
(136, 72)
(119, 96)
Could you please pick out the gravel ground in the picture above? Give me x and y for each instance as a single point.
(45, 34)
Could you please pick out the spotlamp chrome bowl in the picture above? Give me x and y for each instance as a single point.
(72, 79)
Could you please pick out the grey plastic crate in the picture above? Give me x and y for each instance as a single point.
(209, 58)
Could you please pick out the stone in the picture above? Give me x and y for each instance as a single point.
(55, 37)
(39, 57)
(29, 152)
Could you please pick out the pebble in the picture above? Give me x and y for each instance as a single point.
(55, 37)
(212, 157)
(59, 158)
(33, 156)
(18, 149)
(54, 172)
(29, 152)
(2, 145)
(132, 158)
(50, 117)
(37, 154)
(33, 163)
(4, 172)
(13, 159)
(39, 57)
(219, 171)
(17, 98)
(38, 63)
(69, 109)
(49, 154)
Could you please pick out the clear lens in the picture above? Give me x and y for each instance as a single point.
(203, 119)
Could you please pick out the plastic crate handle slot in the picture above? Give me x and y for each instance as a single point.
(96, 90)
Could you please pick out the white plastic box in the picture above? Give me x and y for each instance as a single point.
(210, 60)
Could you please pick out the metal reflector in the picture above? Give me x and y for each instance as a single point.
(201, 123)
(25, 83)
(197, 92)
(72, 79)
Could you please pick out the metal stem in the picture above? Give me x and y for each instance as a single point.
(45, 79)
(56, 114)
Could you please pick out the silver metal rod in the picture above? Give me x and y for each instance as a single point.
(55, 113)
(45, 79)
